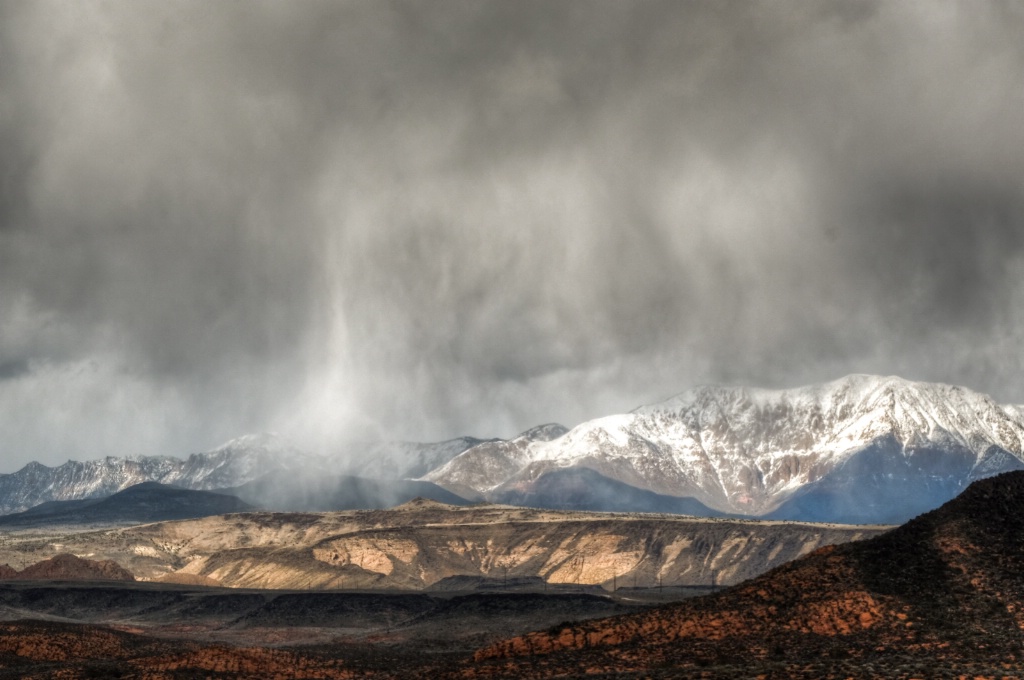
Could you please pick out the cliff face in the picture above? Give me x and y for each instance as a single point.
(421, 543)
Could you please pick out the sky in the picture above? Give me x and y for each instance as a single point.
(405, 220)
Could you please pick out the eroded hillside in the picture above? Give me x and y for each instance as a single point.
(421, 543)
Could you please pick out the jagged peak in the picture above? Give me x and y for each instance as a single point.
(35, 465)
(545, 432)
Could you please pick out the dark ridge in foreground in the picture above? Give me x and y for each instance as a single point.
(187, 632)
(943, 592)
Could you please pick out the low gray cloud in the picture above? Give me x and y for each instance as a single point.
(419, 221)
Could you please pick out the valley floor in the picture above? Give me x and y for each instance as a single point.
(157, 631)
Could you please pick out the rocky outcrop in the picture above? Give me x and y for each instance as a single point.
(65, 567)
(424, 542)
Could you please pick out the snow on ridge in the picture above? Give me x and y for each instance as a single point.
(743, 449)
(856, 407)
(256, 440)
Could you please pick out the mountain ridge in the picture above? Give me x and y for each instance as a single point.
(748, 451)
(874, 449)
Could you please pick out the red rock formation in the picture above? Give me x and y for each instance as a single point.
(66, 567)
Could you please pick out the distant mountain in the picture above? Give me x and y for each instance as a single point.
(312, 492)
(237, 463)
(490, 463)
(863, 448)
(860, 449)
(36, 483)
(937, 597)
(145, 502)
(580, 488)
(398, 460)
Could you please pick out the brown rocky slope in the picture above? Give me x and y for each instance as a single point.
(65, 567)
(942, 593)
(595, 550)
(422, 543)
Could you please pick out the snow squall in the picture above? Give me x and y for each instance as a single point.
(861, 448)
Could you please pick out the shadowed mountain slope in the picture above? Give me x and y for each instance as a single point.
(943, 591)
(319, 492)
(66, 567)
(585, 489)
(146, 502)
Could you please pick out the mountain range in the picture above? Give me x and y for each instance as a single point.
(865, 449)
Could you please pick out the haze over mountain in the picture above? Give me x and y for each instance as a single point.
(266, 469)
(867, 449)
(144, 502)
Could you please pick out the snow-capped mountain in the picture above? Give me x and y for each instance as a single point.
(862, 448)
(36, 483)
(859, 449)
(474, 471)
(236, 462)
(266, 468)
(239, 461)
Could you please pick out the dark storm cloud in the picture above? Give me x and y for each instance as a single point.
(948, 245)
(424, 220)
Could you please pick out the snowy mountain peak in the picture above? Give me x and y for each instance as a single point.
(856, 390)
(543, 433)
(748, 450)
(854, 409)
(261, 441)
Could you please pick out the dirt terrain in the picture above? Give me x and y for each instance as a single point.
(939, 597)
(165, 630)
(423, 542)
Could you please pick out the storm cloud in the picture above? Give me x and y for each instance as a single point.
(351, 220)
